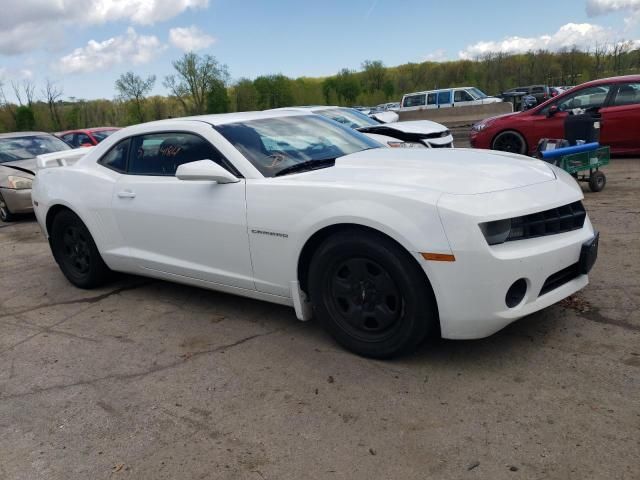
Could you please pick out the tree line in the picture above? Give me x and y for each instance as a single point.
(201, 84)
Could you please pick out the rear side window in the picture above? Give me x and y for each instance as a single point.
(414, 100)
(444, 97)
(116, 158)
(628, 94)
(161, 154)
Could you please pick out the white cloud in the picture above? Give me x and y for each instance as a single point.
(439, 55)
(31, 24)
(130, 48)
(602, 7)
(581, 35)
(190, 39)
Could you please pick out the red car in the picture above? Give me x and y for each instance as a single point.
(87, 137)
(618, 99)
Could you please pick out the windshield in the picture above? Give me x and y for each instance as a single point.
(102, 134)
(275, 144)
(477, 93)
(30, 146)
(349, 117)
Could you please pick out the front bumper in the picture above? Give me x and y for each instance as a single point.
(441, 142)
(471, 291)
(18, 201)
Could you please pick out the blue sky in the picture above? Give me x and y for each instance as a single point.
(85, 44)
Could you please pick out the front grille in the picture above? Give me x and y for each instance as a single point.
(560, 278)
(440, 145)
(556, 220)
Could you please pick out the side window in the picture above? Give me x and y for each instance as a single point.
(537, 90)
(591, 97)
(68, 138)
(414, 101)
(461, 96)
(432, 99)
(161, 154)
(82, 139)
(627, 94)
(444, 97)
(116, 158)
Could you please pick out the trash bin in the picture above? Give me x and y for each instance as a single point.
(583, 126)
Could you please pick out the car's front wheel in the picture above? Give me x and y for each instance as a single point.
(510, 141)
(5, 213)
(76, 252)
(370, 294)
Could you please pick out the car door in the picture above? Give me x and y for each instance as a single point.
(462, 98)
(621, 118)
(194, 229)
(445, 99)
(548, 122)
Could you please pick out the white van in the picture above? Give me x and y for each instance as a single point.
(446, 98)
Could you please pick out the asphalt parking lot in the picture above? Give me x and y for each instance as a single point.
(147, 379)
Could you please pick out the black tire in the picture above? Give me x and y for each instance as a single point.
(371, 295)
(76, 252)
(597, 181)
(5, 213)
(510, 141)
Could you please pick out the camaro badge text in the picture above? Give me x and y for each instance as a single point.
(272, 234)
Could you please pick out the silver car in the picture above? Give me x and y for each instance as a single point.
(18, 153)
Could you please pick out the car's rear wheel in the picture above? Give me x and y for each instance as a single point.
(76, 252)
(510, 141)
(5, 213)
(370, 295)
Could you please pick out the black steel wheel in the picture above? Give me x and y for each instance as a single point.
(76, 252)
(370, 294)
(5, 213)
(363, 298)
(510, 141)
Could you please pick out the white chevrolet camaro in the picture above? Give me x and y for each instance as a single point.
(384, 246)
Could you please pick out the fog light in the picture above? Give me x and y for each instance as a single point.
(516, 293)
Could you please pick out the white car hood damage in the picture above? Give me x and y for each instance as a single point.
(453, 171)
(425, 127)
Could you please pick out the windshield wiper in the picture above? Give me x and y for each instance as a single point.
(306, 166)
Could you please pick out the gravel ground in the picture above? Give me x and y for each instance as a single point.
(146, 379)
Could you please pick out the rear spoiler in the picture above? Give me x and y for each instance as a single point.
(62, 158)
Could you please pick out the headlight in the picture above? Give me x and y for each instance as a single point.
(406, 145)
(478, 127)
(19, 183)
(496, 232)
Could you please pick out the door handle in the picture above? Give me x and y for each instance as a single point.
(126, 194)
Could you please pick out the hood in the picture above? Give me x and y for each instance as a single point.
(454, 171)
(497, 117)
(30, 164)
(420, 127)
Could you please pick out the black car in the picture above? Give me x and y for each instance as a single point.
(541, 92)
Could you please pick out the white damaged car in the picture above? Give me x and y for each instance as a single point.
(384, 246)
(385, 128)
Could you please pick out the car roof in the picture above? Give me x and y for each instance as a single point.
(85, 130)
(437, 90)
(621, 79)
(22, 134)
(225, 118)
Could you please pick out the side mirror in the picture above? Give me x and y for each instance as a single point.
(553, 109)
(205, 170)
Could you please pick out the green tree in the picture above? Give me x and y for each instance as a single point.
(274, 91)
(217, 98)
(246, 95)
(25, 119)
(133, 88)
(374, 74)
(347, 86)
(194, 79)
